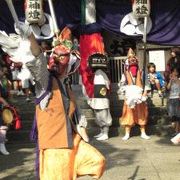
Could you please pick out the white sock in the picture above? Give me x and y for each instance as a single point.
(100, 134)
(176, 139)
(3, 149)
(126, 137)
(103, 137)
(144, 135)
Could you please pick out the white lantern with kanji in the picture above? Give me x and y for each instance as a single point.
(34, 11)
(141, 8)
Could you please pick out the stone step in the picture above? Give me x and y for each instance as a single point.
(153, 120)
(23, 136)
(117, 99)
(114, 102)
(157, 117)
(78, 88)
(153, 113)
(20, 136)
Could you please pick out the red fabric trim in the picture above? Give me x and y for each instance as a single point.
(89, 44)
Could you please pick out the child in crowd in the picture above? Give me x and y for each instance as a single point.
(174, 99)
(155, 78)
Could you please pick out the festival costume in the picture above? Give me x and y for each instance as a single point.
(62, 154)
(93, 80)
(138, 114)
(100, 100)
(91, 44)
(135, 110)
(69, 154)
(62, 139)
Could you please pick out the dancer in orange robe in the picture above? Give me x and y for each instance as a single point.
(63, 155)
(135, 110)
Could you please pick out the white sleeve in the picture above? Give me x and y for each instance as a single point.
(40, 73)
(122, 82)
(106, 80)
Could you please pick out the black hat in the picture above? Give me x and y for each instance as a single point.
(98, 61)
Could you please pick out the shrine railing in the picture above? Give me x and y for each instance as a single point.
(115, 70)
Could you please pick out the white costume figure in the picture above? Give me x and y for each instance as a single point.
(100, 102)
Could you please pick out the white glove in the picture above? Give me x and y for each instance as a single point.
(139, 101)
(22, 53)
(18, 46)
(9, 41)
(143, 98)
(131, 103)
(23, 29)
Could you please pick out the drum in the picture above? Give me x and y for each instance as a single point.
(7, 115)
(10, 116)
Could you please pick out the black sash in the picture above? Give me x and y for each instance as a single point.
(100, 91)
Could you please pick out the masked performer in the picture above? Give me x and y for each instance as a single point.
(135, 110)
(63, 154)
(100, 102)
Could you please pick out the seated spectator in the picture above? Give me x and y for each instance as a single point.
(155, 79)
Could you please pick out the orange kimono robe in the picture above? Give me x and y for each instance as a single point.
(139, 114)
(54, 129)
(63, 154)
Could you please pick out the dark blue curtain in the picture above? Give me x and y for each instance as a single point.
(165, 15)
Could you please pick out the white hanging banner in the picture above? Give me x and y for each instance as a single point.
(141, 8)
(158, 58)
(90, 11)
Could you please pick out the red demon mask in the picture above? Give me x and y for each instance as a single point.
(61, 52)
(132, 62)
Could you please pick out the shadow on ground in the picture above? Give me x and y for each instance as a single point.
(19, 164)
